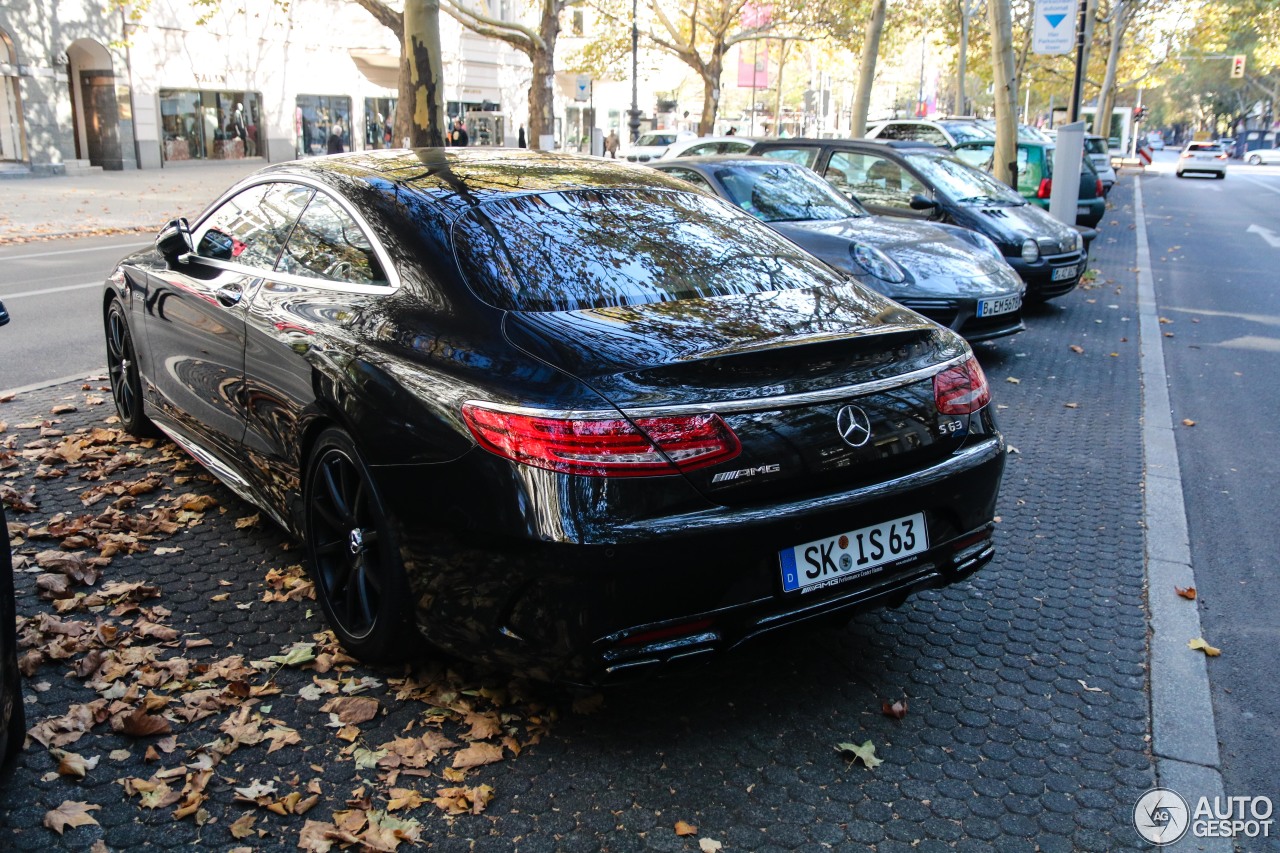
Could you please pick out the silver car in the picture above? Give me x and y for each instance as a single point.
(1100, 156)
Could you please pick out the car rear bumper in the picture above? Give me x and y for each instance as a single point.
(686, 585)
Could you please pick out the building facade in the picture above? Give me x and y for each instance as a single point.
(81, 85)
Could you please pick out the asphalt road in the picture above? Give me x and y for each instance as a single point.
(50, 290)
(1215, 250)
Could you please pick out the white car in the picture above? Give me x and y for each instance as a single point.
(1155, 141)
(1258, 156)
(652, 145)
(706, 145)
(1205, 157)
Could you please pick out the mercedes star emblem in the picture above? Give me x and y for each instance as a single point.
(854, 426)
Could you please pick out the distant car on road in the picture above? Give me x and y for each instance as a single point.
(1155, 141)
(652, 145)
(915, 180)
(1228, 144)
(1100, 155)
(1206, 158)
(703, 146)
(1259, 156)
(1035, 176)
(951, 275)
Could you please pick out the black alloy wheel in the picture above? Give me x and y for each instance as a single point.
(122, 366)
(355, 561)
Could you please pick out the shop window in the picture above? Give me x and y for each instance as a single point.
(379, 122)
(322, 125)
(202, 125)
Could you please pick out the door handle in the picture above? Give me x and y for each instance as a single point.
(228, 295)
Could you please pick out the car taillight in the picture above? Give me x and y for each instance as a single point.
(961, 390)
(1186, 155)
(1098, 186)
(1046, 187)
(1222, 156)
(611, 447)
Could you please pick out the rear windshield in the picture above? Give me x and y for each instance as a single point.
(656, 139)
(1203, 146)
(1096, 146)
(568, 251)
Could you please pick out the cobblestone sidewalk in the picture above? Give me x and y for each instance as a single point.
(1028, 719)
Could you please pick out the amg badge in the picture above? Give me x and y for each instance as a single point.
(725, 476)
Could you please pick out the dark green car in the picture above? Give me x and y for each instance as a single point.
(1035, 176)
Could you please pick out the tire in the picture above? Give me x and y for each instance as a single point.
(122, 367)
(1222, 176)
(1255, 160)
(354, 555)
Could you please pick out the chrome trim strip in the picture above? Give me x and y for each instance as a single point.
(225, 473)
(782, 401)
(384, 258)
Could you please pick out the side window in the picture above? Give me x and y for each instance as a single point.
(893, 131)
(872, 179)
(250, 227)
(976, 154)
(801, 156)
(699, 150)
(328, 244)
(689, 175)
(933, 136)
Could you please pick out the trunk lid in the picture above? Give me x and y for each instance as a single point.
(779, 368)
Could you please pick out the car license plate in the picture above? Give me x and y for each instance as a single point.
(854, 554)
(998, 305)
(1064, 273)
(1081, 210)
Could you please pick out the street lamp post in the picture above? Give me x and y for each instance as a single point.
(634, 112)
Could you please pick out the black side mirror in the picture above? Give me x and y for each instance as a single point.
(4, 315)
(919, 201)
(174, 239)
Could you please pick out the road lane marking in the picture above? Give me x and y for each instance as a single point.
(1264, 319)
(51, 290)
(113, 247)
(1265, 186)
(91, 374)
(1253, 342)
(1273, 240)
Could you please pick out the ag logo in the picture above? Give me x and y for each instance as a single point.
(1161, 816)
(853, 425)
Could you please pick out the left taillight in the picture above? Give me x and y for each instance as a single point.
(961, 390)
(1098, 186)
(605, 447)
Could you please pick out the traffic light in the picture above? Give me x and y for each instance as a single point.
(1138, 113)
(1237, 66)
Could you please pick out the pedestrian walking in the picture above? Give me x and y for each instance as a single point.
(520, 140)
(336, 145)
(611, 144)
(459, 136)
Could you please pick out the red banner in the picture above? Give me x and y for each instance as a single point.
(753, 65)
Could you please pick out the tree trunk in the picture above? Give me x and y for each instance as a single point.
(711, 73)
(1107, 96)
(1005, 160)
(542, 88)
(426, 73)
(963, 59)
(867, 74)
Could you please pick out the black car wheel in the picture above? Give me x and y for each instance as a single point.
(122, 366)
(355, 560)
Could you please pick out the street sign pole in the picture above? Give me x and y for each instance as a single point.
(1073, 114)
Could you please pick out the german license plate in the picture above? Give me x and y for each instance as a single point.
(998, 305)
(851, 555)
(1064, 273)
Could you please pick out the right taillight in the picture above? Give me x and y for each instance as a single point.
(605, 447)
(961, 390)
(1046, 188)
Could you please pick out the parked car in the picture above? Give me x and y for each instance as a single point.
(915, 180)
(1259, 156)
(13, 720)
(651, 146)
(554, 413)
(951, 275)
(702, 146)
(1035, 176)
(941, 132)
(1100, 155)
(1206, 158)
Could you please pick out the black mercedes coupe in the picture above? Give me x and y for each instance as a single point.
(556, 413)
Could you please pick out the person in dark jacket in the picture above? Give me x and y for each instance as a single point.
(459, 136)
(520, 140)
(335, 140)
